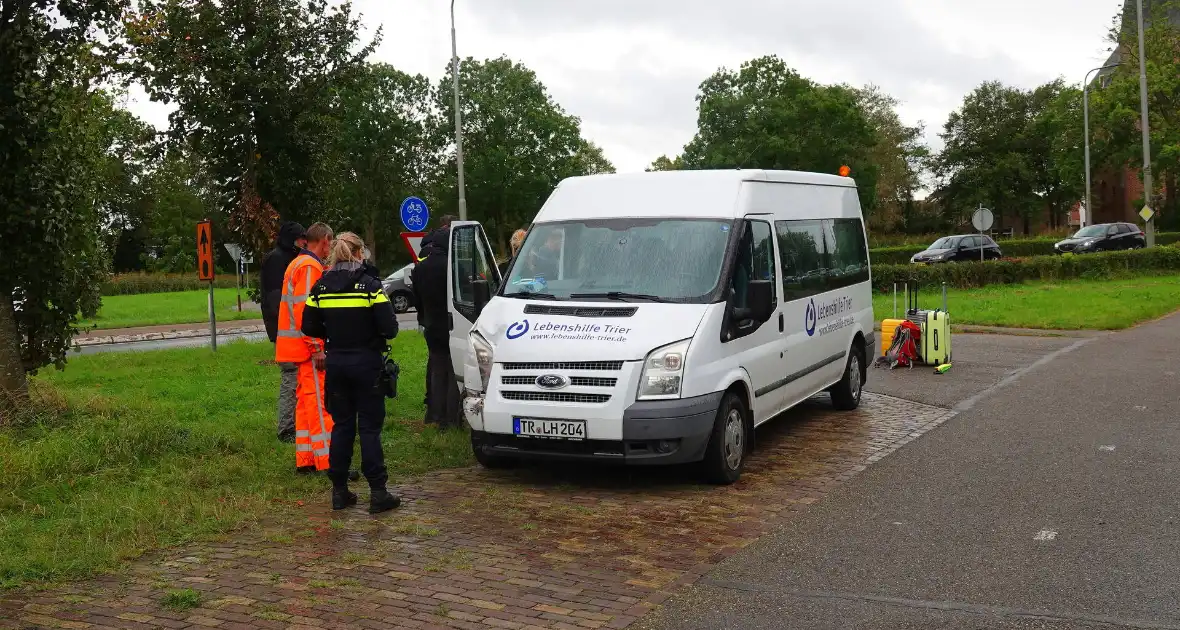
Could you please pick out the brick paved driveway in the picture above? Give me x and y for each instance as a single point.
(570, 547)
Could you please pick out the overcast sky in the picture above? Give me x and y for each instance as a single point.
(629, 69)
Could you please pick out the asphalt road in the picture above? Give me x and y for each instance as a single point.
(406, 321)
(1047, 502)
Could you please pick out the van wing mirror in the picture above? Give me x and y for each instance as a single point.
(760, 297)
(482, 295)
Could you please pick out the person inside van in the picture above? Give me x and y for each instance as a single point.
(546, 262)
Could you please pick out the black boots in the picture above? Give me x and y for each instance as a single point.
(343, 498)
(382, 501)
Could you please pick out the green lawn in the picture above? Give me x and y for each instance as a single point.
(181, 307)
(1079, 305)
(127, 452)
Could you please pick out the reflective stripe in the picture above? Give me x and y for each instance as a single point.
(295, 298)
(320, 452)
(302, 433)
(303, 448)
(291, 333)
(345, 303)
(322, 437)
(319, 400)
(290, 308)
(381, 297)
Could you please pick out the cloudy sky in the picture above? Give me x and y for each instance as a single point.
(630, 68)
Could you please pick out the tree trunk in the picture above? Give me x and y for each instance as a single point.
(14, 388)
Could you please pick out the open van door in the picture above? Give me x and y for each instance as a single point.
(472, 278)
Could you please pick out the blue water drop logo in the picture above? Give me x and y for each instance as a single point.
(517, 329)
(809, 318)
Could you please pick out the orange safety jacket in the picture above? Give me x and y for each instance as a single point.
(291, 345)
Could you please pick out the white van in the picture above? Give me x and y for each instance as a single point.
(659, 318)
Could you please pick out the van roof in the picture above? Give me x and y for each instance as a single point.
(693, 194)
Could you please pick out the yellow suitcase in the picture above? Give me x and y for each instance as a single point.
(888, 328)
(935, 339)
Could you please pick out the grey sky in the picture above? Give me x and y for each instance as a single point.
(630, 68)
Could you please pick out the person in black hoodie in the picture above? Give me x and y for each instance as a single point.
(292, 238)
(430, 293)
(349, 309)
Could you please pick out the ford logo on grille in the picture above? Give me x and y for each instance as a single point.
(552, 381)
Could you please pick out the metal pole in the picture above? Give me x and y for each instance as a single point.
(1147, 190)
(944, 298)
(212, 320)
(894, 300)
(458, 117)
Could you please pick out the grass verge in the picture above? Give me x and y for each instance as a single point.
(1075, 305)
(180, 307)
(127, 452)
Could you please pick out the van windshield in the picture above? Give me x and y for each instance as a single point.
(675, 260)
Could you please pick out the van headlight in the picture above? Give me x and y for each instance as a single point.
(484, 356)
(663, 370)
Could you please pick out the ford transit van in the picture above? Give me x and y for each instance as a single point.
(660, 318)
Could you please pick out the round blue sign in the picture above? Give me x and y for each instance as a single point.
(415, 214)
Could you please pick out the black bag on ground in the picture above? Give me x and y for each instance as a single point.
(390, 370)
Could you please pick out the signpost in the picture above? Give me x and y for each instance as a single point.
(413, 241)
(982, 220)
(205, 272)
(415, 214)
(243, 262)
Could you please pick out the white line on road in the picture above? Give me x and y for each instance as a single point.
(1106, 447)
(1045, 534)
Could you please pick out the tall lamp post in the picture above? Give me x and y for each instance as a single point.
(458, 117)
(1087, 216)
(1146, 130)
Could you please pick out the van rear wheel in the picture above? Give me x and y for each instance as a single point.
(846, 394)
(725, 456)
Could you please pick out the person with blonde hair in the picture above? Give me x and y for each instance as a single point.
(349, 310)
(514, 243)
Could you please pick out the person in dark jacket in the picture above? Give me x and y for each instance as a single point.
(349, 309)
(291, 240)
(430, 292)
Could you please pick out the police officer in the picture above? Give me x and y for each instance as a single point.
(349, 310)
(443, 406)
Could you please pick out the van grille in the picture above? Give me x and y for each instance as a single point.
(577, 381)
(581, 311)
(591, 366)
(566, 397)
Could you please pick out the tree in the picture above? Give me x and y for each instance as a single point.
(898, 154)
(664, 163)
(518, 144)
(1056, 141)
(385, 148)
(992, 155)
(177, 194)
(253, 82)
(49, 152)
(767, 116)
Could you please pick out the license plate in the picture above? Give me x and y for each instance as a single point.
(554, 429)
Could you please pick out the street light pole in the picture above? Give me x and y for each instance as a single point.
(1087, 216)
(1146, 129)
(458, 117)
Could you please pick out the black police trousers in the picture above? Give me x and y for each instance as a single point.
(357, 404)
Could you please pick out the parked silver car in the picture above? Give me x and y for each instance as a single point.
(399, 287)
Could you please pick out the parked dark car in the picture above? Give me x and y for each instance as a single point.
(1103, 237)
(399, 289)
(959, 248)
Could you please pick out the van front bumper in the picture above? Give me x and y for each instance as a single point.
(658, 432)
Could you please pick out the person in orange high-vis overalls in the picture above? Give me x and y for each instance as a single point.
(313, 423)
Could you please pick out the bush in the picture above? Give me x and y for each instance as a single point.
(136, 283)
(1009, 271)
(1016, 248)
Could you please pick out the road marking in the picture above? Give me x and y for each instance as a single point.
(1140, 408)
(1045, 534)
(1015, 375)
(1106, 447)
(950, 606)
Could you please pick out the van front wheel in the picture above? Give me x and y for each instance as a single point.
(846, 393)
(726, 455)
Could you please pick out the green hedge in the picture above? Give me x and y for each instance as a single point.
(1012, 248)
(976, 274)
(135, 283)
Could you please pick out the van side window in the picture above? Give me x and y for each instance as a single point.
(755, 261)
(845, 239)
(804, 258)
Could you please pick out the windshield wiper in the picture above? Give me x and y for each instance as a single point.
(620, 295)
(527, 295)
